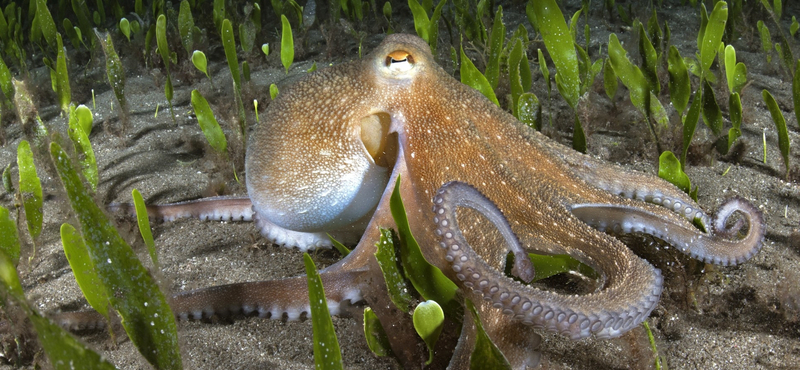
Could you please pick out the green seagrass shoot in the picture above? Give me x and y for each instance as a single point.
(766, 40)
(208, 123)
(233, 64)
(395, 281)
(680, 86)
(669, 168)
(344, 251)
(80, 124)
(496, 41)
(45, 23)
(428, 320)
(30, 189)
(9, 236)
(287, 44)
(62, 77)
(377, 340)
(529, 111)
(114, 70)
(796, 92)
(186, 26)
(273, 91)
(327, 354)
(125, 28)
(472, 77)
(143, 221)
(7, 185)
(201, 63)
(83, 269)
(163, 50)
(780, 125)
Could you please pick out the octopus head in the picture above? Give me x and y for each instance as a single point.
(322, 158)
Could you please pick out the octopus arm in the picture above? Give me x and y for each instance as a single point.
(630, 184)
(630, 292)
(275, 299)
(720, 246)
(213, 208)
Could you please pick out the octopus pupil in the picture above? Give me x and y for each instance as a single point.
(398, 57)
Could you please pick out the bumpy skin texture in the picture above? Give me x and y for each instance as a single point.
(306, 162)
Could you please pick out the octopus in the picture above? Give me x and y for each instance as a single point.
(477, 185)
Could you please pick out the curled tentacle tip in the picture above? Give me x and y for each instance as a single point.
(746, 247)
(736, 204)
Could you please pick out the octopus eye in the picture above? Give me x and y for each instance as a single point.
(400, 61)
